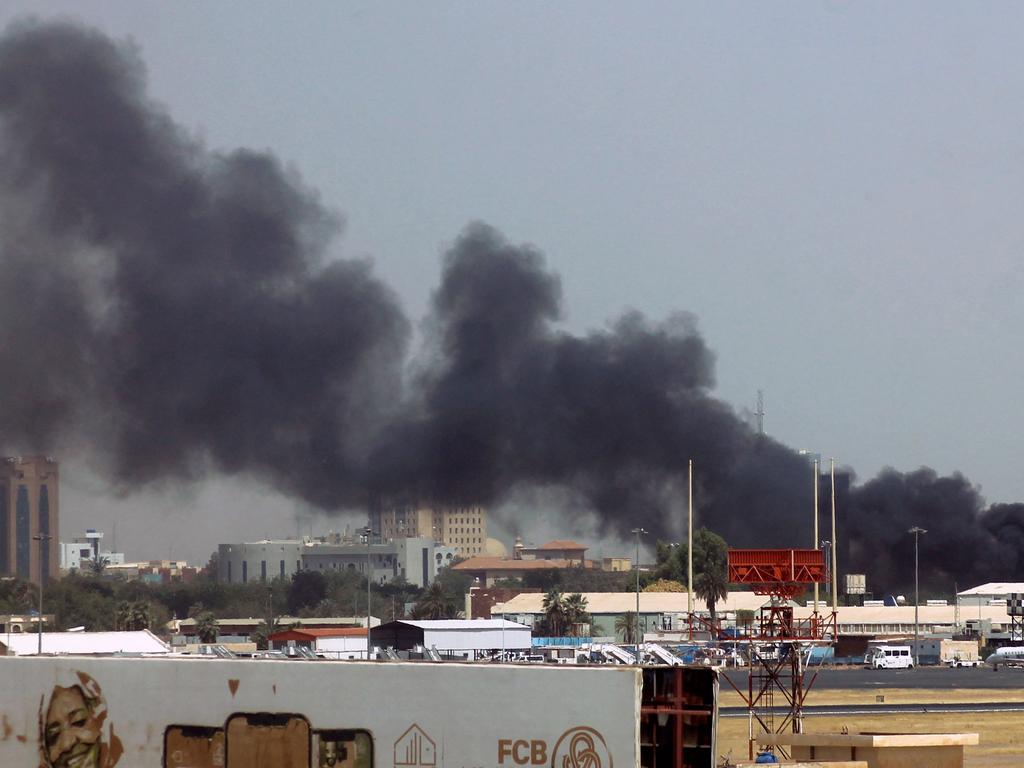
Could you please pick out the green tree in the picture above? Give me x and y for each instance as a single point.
(670, 561)
(206, 627)
(710, 562)
(133, 616)
(555, 614)
(664, 585)
(546, 578)
(454, 583)
(97, 566)
(142, 615)
(261, 635)
(434, 603)
(80, 601)
(626, 625)
(576, 614)
(123, 615)
(307, 588)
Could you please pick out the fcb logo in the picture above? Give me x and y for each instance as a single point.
(581, 747)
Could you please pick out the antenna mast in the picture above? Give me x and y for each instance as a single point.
(760, 412)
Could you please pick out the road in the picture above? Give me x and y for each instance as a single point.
(924, 677)
(881, 709)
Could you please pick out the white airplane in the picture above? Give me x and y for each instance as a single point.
(1007, 656)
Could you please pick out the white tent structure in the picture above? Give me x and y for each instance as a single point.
(465, 638)
(141, 643)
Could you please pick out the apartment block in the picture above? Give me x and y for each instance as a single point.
(464, 528)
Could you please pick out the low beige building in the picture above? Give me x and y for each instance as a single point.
(663, 615)
(879, 750)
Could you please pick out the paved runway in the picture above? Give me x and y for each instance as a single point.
(924, 677)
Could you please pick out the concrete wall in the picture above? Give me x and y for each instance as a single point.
(258, 560)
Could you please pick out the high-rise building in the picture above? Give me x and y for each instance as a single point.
(29, 509)
(462, 528)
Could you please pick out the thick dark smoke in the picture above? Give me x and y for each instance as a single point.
(175, 311)
(173, 303)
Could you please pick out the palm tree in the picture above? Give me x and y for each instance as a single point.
(206, 627)
(710, 556)
(141, 615)
(554, 608)
(97, 565)
(627, 625)
(433, 603)
(123, 616)
(133, 616)
(711, 586)
(576, 612)
(269, 626)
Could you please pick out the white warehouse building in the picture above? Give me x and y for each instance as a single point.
(454, 638)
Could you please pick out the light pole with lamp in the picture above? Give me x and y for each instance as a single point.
(43, 539)
(502, 607)
(636, 632)
(368, 532)
(917, 531)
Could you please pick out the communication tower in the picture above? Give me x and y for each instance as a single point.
(779, 677)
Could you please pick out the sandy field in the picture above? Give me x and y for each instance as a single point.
(1001, 733)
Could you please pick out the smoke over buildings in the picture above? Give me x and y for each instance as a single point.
(174, 311)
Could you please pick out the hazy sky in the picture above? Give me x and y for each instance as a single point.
(829, 187)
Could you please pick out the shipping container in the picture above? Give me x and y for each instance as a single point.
(81, 712)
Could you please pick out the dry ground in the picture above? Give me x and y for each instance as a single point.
(1001, 733)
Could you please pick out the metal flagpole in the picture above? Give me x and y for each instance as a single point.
(817, 542)
(835, 559)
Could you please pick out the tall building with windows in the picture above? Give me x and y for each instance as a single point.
(462, 528)
(29, 508)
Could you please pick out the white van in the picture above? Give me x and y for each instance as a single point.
(890, 657)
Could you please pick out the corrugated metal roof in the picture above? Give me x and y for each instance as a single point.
(904, 614)
(343, 621)
(622, 602)
(462, 624)
(85, 643)
(289, 634)
(994, 588)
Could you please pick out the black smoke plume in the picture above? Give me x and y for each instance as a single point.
(175, 311)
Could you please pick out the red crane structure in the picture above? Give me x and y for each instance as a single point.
(777, 641)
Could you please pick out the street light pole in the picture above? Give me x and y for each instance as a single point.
(369, 582)
(636, 532)
(817, 462)
(42, 538)
(689, 548)
(503, 632)
(917, 531)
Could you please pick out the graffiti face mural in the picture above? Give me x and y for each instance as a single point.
(71, 728)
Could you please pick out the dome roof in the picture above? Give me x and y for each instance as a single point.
(494, 548)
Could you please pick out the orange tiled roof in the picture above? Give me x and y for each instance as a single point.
(562, 544)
